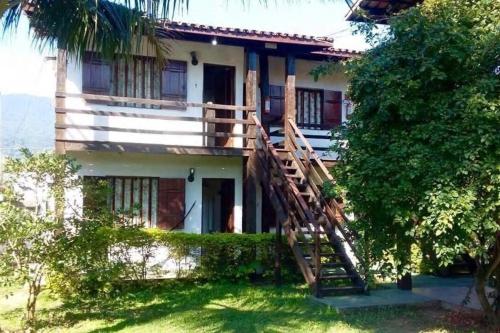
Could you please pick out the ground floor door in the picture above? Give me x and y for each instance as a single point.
(217, 205)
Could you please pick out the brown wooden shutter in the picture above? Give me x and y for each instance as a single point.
(332, 109)
(277, 100)
(96, 76)
(174, 81)
(171, 194)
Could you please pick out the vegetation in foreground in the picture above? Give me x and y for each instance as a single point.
(421, 163)
(222, 307)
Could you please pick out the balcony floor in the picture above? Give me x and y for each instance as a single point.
(104, 146)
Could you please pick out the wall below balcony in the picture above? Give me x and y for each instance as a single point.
(167, 166)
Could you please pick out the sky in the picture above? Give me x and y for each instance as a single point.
(19, 61)
(26, 71)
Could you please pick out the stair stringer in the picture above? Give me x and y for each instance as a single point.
(281, 209)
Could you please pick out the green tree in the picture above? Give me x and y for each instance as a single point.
(422, 154)
(31, 220)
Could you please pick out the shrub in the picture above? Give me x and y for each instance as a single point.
(105, 257)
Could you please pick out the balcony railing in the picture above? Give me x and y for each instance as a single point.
(96, 119)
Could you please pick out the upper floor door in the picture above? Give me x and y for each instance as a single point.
(218, 88)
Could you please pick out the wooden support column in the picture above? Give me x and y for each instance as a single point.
(264, 84)
(60, 102)
(250, 184)
(290, 110)
(251, 80)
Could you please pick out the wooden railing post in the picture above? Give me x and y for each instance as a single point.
(251, 91)
(289, 97)
(60, 101)
(317, 262)
(210, 127)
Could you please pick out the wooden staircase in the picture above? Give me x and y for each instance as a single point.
(314, 226)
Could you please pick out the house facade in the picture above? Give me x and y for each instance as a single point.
(162, 153)
(231, 134)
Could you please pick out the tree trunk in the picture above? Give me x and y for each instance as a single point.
(34, 290)
(404, 280)
(480, 286)
(484, 272)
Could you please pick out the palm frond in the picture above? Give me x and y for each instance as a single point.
(114, 29)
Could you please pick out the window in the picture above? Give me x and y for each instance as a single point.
(316, 108)
(139, 77)
(174, 81)
(151, 201)
(137, 195)
(309, 104)
(96, 75)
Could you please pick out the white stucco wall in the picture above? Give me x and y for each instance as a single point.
(170, 166)
(180, 50)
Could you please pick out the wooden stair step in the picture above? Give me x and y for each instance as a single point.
(327, 265)
(325, 255)
(332, 265)
(306, 231)
(312, 243)
(336, 277)
(294, 176)
(329, 255)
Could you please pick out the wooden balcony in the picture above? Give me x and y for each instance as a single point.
(125, 124)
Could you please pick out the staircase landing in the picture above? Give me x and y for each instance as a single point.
(428, 290)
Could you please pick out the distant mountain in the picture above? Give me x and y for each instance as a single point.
(26, 121)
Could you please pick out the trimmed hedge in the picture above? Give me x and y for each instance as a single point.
(213, 256)
(111, 255)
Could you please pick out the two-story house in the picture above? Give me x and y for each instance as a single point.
(231, 135)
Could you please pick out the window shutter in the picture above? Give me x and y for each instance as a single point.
(174, 81)
(277, 100)
(96, 75)
(332, 108)
(171, 197)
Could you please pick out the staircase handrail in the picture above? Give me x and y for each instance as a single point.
(319, 162)
(327, 209)
(295, 193)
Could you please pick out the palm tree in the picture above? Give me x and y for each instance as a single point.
(108, 27)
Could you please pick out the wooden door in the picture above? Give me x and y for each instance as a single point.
(218, 88)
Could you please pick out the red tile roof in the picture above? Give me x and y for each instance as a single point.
(255, 35)
(338, 52)
(378, 10)
(319, 46)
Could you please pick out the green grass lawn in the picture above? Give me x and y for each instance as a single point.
(220, 307)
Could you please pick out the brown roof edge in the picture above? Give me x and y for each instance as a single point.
(338, 53)
(245, 34)
(378, 10)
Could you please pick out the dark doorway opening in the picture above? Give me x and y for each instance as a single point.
(268, 213)
(218, 88)
(217, 205)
